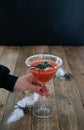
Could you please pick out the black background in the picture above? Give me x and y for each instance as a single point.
(32, 22)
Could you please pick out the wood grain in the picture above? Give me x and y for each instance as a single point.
(67, 97)
(76, 54)
(70, 109)
(2, 48)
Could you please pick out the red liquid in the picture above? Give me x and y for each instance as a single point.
(43, 75)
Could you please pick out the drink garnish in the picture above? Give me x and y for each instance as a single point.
(42, 66)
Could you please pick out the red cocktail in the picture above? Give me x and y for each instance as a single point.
(43, 75)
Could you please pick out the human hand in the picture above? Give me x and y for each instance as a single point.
(27, 82)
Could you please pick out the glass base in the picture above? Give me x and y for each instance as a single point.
(43, 110)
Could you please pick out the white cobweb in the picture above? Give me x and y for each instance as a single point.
(18, 113)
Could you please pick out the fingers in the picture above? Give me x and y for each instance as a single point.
(43, 91)
(36, 87)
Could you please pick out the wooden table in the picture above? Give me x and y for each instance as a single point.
(67, 96)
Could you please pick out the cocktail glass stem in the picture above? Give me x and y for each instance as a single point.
(43, 106)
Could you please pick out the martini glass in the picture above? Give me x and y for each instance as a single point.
(43, 109)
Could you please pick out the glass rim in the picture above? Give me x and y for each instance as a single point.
(41, 55)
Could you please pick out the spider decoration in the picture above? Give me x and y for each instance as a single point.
(67, 76)
(42, 66)
(24, 109)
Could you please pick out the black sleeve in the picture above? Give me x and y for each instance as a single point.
(7, 81)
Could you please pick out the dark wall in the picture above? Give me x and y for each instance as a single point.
(42, 21)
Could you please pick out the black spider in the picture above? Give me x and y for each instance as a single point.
(67, 76)
(24, 109)
(42, 66)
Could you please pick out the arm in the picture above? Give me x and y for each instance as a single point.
(26, 82)
(7, 81)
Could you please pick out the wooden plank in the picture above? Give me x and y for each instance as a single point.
(79, 78)
(2, 48)
(39, 50)
(76, 54)
(8, 58)
(80, 51)
(74, 59)
(69, 106)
